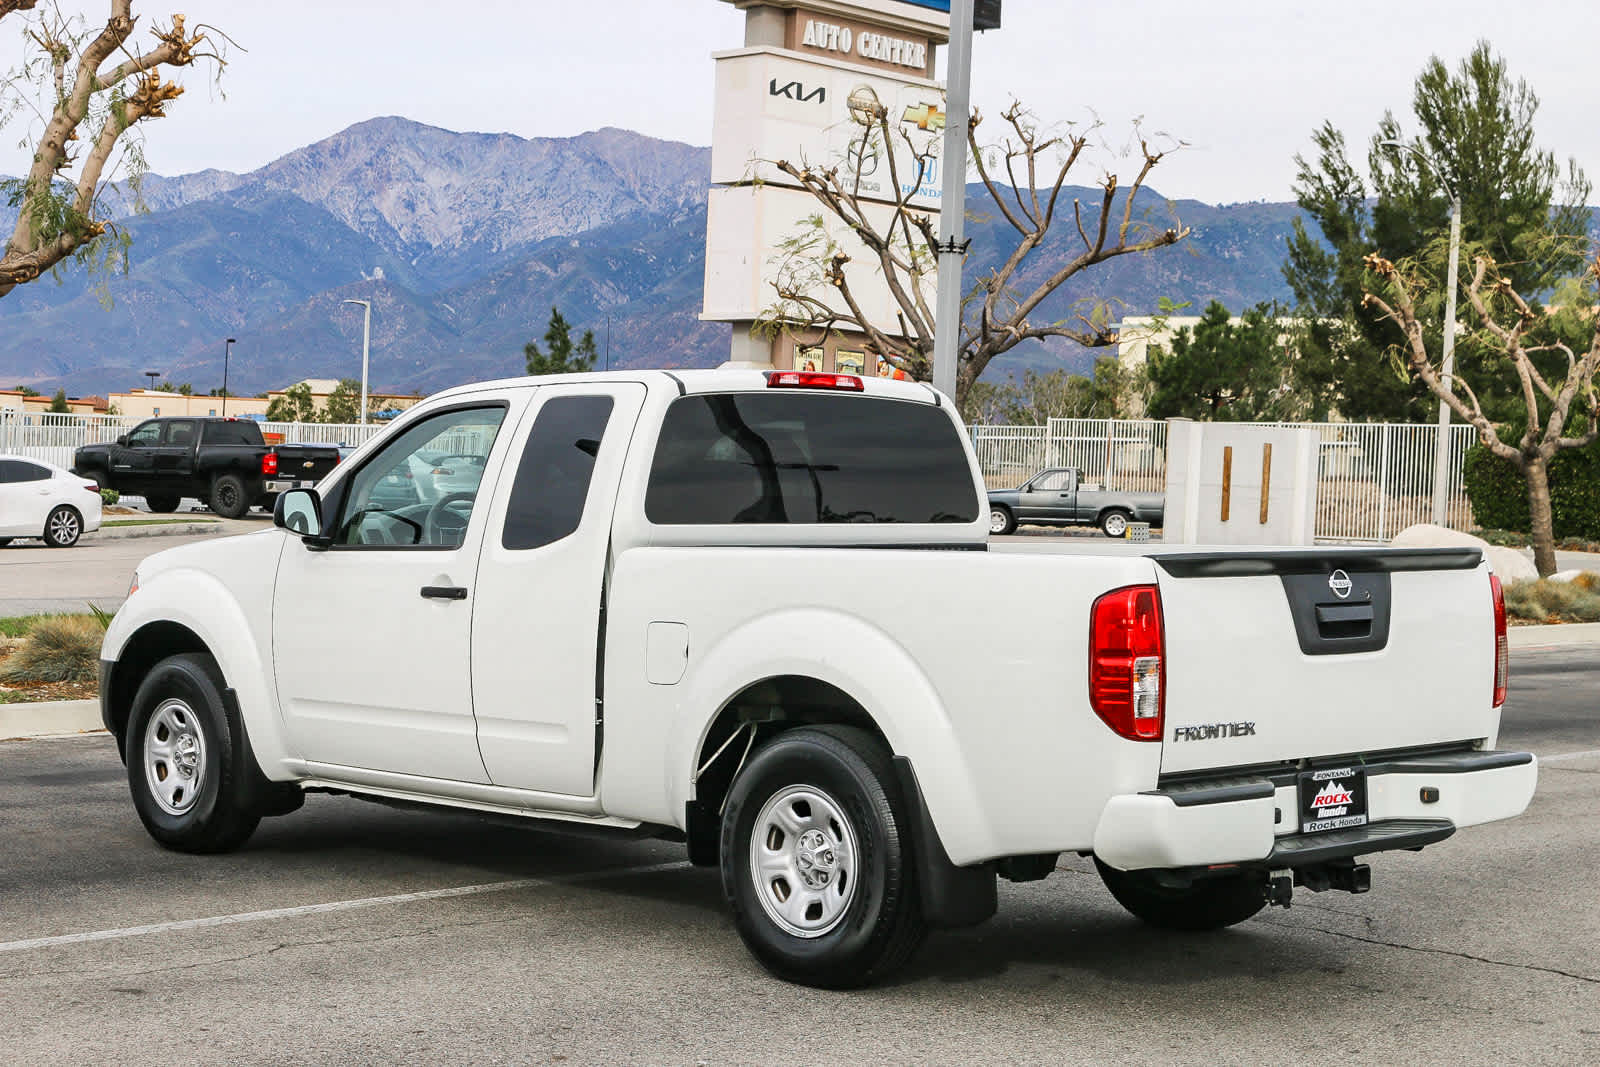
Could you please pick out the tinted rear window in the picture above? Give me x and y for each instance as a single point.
(807, 458)
(232, 433)
(557, 465)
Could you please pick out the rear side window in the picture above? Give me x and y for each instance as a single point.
(808, 458)
(17, 470)
(557, 465)
(180, 433)
(232, 433)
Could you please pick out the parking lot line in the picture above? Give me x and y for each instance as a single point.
(1592, 753)
(332, 906)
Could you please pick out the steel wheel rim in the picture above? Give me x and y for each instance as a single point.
(174, 756)
(64, 527)
(997, 521)
(803, 861)
(1116, 525)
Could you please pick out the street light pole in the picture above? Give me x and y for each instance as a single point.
(953, 201)
(366, 344)
(227, 350)
(1441, 452)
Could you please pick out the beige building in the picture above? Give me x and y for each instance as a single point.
(148, 403)
(15, 400)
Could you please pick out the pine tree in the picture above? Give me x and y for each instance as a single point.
(562, 355)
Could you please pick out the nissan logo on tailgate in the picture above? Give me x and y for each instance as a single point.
(1340, 583)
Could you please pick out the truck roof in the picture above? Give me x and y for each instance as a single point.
(720, 380)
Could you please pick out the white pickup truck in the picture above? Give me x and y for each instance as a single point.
(760, 613)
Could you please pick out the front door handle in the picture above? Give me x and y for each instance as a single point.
(445, 592)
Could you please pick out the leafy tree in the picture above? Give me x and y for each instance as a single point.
(23, 389)
(1024, 177)
(90, 90)
(1520, 207)
(295, 405)
(186, 389)
(344, 402)
(1560, 405)
(58, 403)
(562, 355)
(1221, 370)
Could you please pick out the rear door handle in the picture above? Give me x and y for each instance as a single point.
(445, 592)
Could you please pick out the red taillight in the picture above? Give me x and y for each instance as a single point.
(269, 463)
(1502, 651)
(92, 487)
(1127, 671)
(806, 379)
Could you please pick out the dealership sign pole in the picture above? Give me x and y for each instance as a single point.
(953, 204)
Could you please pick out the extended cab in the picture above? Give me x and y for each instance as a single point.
(223, 462)
(1060, 497)
(759, 613)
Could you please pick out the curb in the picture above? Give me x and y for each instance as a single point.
(174, 529)
(1563, 635)
(49, 717)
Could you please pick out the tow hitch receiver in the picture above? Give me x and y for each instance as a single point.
(1280, 888)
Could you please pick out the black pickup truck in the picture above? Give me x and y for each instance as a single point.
(222, 462)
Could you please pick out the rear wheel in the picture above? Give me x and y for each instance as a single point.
(816, 859)
(62, 527)
(162, 503)
(228, 497)
(1001, 521)
(1114, 523)
(1206, 904)
(187, 765)
(267, 502)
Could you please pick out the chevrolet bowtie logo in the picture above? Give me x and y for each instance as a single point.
(308, 464)
(926, 116)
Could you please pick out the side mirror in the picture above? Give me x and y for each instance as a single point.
(123, 440)
(300, 511)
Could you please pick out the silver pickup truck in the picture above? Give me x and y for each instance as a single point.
(1058, 497)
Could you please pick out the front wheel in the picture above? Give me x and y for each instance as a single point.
(1206, 904)
(228, 497)
(1114, 523)
(1001, 521)
(816, 859)
(187, 763)
(63, 527)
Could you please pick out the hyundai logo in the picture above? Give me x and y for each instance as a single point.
(1341, 584)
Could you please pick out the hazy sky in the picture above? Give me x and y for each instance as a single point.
(1242, 81)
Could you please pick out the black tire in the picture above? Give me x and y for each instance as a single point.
(62, 527)
(228, 496)
(162, 503)
(1207, 904)
(4, 541)
(222, 810)
(1114, 519)
(99, 478)
(1001, 520)
(267, 502)
(881, 923)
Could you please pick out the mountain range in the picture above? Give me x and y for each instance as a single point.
(463, 242)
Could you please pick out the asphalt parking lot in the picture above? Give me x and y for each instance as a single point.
(354, 933)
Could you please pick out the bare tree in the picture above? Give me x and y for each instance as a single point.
(84, 86)
(1507, 320)
(1002, 310)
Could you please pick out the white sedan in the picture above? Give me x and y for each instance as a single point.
(39, 499)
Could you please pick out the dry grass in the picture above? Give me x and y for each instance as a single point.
(1547, 601)
(58, 649)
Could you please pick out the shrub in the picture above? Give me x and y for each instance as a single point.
(1547, 601)
(1499, 494)
(109, 496)
(59, 649)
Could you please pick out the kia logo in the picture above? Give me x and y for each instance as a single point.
(1341, 584)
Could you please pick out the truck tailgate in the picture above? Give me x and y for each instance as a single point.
(1284, 655)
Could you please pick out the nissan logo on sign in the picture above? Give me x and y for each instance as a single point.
(1341, 584)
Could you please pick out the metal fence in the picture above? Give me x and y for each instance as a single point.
(1373, 479)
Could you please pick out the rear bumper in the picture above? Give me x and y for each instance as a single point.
(1250, 818)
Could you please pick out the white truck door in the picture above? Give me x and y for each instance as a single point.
(371, 636)
(536, 613)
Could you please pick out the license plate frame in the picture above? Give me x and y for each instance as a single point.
(1333, 798)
